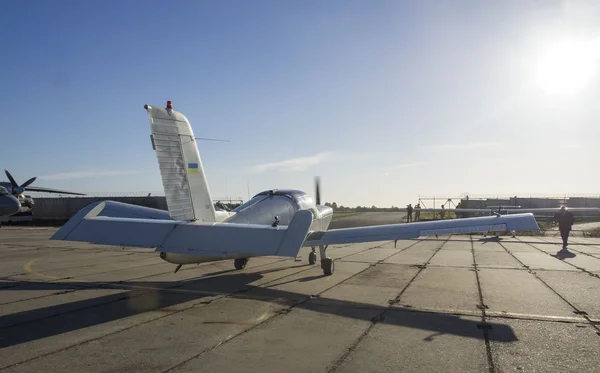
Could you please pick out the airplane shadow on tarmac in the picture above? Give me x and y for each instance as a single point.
(145, 296)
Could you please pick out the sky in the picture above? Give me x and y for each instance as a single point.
(386, 101)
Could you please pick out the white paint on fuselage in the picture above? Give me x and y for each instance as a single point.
(196, 259)
(320, 223)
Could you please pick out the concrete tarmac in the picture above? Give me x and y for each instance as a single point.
(451, 304)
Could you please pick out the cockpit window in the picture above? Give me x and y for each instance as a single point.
(306, 202)
(3, 191)
(250, 202)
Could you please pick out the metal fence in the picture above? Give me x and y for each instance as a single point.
(149, 193)
(64, 208)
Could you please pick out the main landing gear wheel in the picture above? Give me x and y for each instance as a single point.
(312, 258)
(327, 265)
(240, 263)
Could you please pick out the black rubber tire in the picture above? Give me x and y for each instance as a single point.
(328, 266)
(312, 258)
(240, 263)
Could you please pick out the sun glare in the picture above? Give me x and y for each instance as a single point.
(567, 66)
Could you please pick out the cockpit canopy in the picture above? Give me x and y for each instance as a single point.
(3, 191)
(263, 207)
(300, 198)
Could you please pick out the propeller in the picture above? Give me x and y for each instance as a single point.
(17, 189)
(318, 190)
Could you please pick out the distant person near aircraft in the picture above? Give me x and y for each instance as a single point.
(442, 213)
(409, 211)
(459, 215)
(417, 212)
(565, 220)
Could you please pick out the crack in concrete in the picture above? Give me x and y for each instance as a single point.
(482, 306)
(381, 317)
(577, 310)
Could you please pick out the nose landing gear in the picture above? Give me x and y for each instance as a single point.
(326, 262)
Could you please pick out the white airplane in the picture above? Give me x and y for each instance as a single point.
(272, 223)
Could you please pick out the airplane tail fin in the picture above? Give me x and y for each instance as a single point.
(184, 181)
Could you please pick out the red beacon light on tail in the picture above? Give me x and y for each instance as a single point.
(169, 105)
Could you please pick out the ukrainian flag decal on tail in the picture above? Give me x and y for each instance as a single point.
(192, 168)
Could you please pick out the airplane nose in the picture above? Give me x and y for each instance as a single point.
(9, 205)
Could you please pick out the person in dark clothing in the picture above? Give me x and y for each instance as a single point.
(565, 220)
(409, 211)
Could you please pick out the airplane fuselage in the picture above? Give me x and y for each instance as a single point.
(9, 204)
(262, 209)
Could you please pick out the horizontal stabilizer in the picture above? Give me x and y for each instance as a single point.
(99, 224)
(521, 222)
(108, 209)
(226, 238)
(125, 210)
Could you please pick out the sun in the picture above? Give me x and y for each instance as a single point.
(567, 66)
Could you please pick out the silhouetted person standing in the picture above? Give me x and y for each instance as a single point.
(417, 212)
(565, 221)
(409, 211)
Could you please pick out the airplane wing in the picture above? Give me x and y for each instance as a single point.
(510, 210)
(556, 209)
(120, 224)
(520, 222)
(455, 210)
(49, 190)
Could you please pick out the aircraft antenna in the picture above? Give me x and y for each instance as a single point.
(209, 139)
(318, 190)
